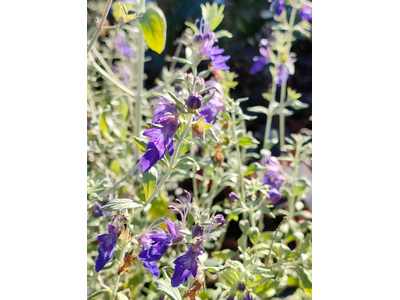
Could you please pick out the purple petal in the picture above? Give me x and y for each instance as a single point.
(180, 275)
(106, 252)
(151, 266)
(259, 63)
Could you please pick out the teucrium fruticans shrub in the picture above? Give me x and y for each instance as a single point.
(142, 244)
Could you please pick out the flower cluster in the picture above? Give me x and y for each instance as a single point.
(273, 178)
(155, 242)
(205, 39)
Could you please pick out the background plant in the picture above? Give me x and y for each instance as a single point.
(222, 157)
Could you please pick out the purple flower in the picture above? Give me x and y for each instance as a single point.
(241, 287)
(161, 138)
(277, 6)
(193, 102)
(286, 68)
(218, 60)
(121, 46)
(206, 38)
(97, 212)
(232, 197)
(306, 11)
(261, 61)
(273, 177)
(155, 245)
(248, 296)
(186, 264)
(274, 195)
(106, 249)
(232, 297)
(220, 220)
(211, 109)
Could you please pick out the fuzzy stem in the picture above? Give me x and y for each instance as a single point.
(284, 82)
(140, 70)
(272, 241)
(270, 116)
(100, 25)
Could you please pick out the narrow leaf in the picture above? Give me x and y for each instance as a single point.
(149, 181)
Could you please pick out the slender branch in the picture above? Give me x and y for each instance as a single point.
(272, 241)
(104, 63)
(100, 25)
(113, 80)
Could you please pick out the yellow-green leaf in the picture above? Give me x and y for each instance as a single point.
(149, 181)
(154, 28)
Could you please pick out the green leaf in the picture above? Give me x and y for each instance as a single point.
(259, 109)
(306, 280)
(224, 254)
(141, 143)
(154, 28)
(212, 14)
(149, 182)
(187, 163)
(166, 288)
(215, 269)
(223, 33)
(120, 204)
(247, 141)
(254, 167)
(254, 235)
(121, 296)
(97, 293)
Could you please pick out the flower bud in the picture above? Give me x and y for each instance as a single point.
(232, 197)
(241, 287)
(219, 219)
(274, 195)
(198, 84)
(189, 80)
(193, 102)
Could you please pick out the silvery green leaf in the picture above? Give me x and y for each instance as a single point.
(120, 296)
(120, 204)
(259, 109)
(166, 288)
(211, 132)
(187, 163)
(97, 293)
(254, 235)
(215, 269)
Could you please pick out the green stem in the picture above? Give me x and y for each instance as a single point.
(284, 82)
(272, 241)
(100, 26)
(194, 180)
(239, 158)
(270, 116)
(140, 71)
(281, 115)
(121, 259)
(291, 199)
